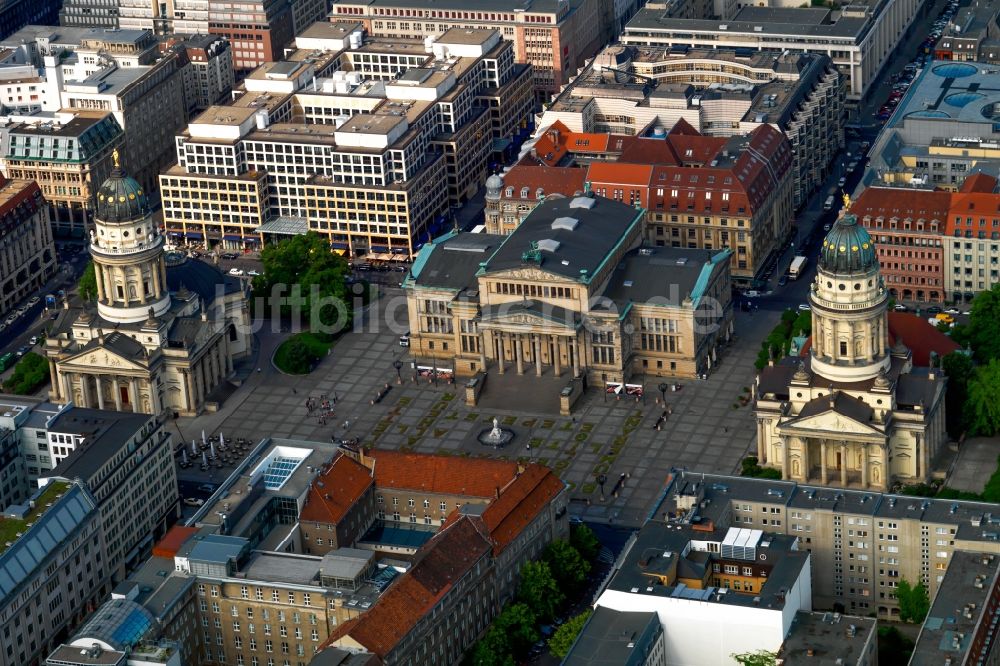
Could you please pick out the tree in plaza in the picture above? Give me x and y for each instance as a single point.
(87, 286)
(984, 325)
(756, 658)
(958, 367)
(585, 541)
(309, 278)
(913, 601)
(568, 566)
(564, 637)
(540, 591)
(982, 406)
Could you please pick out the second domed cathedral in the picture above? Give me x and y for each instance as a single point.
(165, 330)
(853, 410)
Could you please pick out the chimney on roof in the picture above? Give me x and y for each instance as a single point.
(497, 489)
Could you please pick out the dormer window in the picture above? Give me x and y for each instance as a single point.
(524, 192)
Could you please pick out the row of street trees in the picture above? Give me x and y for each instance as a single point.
(546, 588)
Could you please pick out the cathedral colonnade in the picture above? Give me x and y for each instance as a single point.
(527, 352)
(838, 461)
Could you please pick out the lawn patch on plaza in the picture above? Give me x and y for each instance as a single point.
(548, 423)
(301, 353)
(581, 437)
(588, 488)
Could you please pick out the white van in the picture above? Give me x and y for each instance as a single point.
(404, 340)
(828, 204)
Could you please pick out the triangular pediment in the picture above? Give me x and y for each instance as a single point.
(529, 274)
(526, 319)
(95, 359)
(830, 421)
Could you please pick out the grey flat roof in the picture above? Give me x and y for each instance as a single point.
(69, 654)
(951, 90)
(104, 434)
(946, 632)
(830, 638)
(608, 637)
(216, 548)
(543, 6)
(665, 273)
(451, 261)
(284, 568)
(345, 562)
(846, 27)
(580, 250)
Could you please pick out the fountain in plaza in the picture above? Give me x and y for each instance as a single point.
(497, 436)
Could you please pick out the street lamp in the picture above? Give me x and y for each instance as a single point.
(398, 365)
(663, 392)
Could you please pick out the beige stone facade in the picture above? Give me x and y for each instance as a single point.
(526, 303)
(27, 254)
(855, 413)
(153, 345)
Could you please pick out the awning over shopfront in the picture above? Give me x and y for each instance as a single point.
(285, 226)
(194, 235)
(232, 237)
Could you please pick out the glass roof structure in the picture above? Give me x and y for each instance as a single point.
(119, 623)
(278, 471)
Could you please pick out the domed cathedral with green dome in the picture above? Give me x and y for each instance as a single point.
(852, 410)
(165, 330)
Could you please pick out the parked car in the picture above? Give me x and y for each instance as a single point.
(404, 340)
(238, 272)
(193, 501)
(33, 340)
(899, 307)
(206, 488)
(253, 273)
(783, 280)
(953, 311)
(804, 307)
(33, 300)
(934, 310)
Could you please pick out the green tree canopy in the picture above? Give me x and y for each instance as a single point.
(567, 564)
(958, 367)
(756, 658)
(30, 374)
(87, 285)
(982, 405)
(493, 649)
(585, 541)
(564, 637)
(984, 325)
(540, 591)
(913, 601)
(520, 625)
(309, 278)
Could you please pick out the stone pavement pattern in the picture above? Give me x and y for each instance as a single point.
(708, 429)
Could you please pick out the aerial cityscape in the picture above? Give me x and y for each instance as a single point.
(527, 332)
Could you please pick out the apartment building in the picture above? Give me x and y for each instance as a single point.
(24, 426)
(699, 192)
(126, 461)
(52, 569)
(971, 35)
(101, 14)
(27, 253)
(570, 288)
(863, 542)
(512, 195)
(120, 71)
(858, 38)
(258, 30)
(961, 625)
(632, 90)
(936, 246)
(68, 155)
(364, 142)
(207, 70)
(908, 229)
(555, 37)
(14, 486)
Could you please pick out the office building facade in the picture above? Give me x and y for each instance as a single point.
(27, 253)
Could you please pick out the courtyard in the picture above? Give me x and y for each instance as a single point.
(710, 425)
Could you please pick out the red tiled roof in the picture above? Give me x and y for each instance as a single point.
(979, 182)
(552, 180)
(683, 127)
(919, 337)
(619, 174)
(978, 206)
(440, 564)
(889, 202)
(448, 475)
(173, 540)
(519, 504)
(343, 484)
(643, 150)
(13, 193)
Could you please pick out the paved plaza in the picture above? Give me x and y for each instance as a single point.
(709, 428)
(977, 460)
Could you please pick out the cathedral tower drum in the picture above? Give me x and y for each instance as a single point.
(127, 249)
(850, 338)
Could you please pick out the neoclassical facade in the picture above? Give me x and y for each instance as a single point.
(854, 412)
(571, 291)
(166, 329)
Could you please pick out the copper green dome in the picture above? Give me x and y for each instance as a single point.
(848, 248)
(121, 197)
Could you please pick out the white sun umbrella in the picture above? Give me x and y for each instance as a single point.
(194, 447)
(213, 450)
(184, 456)
(204, 441)
(204, 459)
